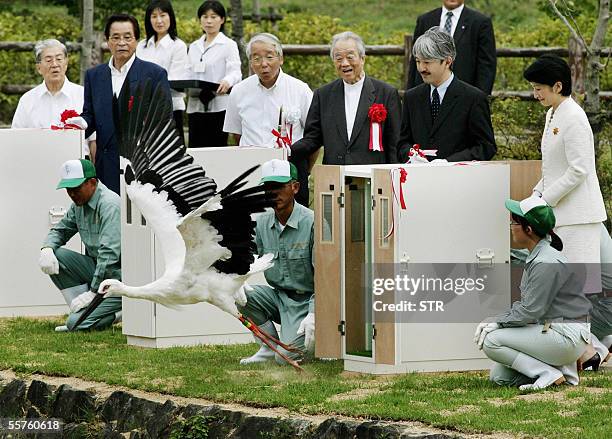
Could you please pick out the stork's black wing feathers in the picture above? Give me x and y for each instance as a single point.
(234, 223)
(147, 137)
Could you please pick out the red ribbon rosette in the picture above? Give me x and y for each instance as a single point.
(66, 114)
(377, 115)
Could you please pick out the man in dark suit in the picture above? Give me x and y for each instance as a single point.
(103, 85)
(444, 113)
(474, 39)
(339, 119)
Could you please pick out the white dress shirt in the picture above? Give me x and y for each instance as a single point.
(352, 93)
(442, 88)
(118, 75)
(456, 14)
(38, 108)
(253, 110)
(216, 62)
(172, 56)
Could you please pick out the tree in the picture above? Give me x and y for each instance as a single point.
(594, 66)
(238, 31)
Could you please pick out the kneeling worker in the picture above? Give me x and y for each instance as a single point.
(288, 233)
(95, 216)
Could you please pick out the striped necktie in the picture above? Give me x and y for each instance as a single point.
(449, 22)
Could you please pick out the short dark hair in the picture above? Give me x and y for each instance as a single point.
(164, 6)
(121, 18)
(555, 242)
(216, 7)
(549, 69)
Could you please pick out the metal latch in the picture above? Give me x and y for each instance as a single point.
(373, 331)
(404, 261)
(341, 199)
(55, 215)
(341, 327)
(485, 257)
(373, 202)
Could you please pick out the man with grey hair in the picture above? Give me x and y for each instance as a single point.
(269, 108)
(472, 33)
(355, 117)
(444, 113)
(42, 106)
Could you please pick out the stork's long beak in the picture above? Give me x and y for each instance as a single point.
(92, 306)
(268, 340)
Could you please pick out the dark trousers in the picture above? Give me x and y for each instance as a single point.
(302, 167)
(178, 122)
(206, 129)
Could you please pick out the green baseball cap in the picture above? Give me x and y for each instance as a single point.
(74, 173)
(534, 209)
(279, 171)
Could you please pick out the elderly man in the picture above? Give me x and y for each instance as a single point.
(268, 102)
(95, 216)
(473, 35)
(444, 113)
(356, 117)
(42, 106)
(288, 233)
(103, 85)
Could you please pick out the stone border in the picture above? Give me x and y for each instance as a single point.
(92, 409)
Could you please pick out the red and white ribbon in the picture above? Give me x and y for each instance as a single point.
(376, 143)
(399, 199)
(283, 141)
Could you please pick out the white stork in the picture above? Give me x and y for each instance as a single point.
(206, 237)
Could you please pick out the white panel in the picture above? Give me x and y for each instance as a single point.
(199, 323)
(30, 160)
(452, 211)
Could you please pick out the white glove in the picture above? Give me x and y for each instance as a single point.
(78, 121)
(81, 301)
(482, 330)
(48, 262)
(307, 327)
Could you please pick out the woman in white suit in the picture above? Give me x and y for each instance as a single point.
(569, 182)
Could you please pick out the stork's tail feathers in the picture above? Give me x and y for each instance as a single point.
(261, 263)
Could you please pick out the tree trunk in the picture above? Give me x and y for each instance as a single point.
(238, 32)
(87, 36)
(592, 102)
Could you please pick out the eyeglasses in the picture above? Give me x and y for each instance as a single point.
(258, 60)
(50, 59)
(118, 38)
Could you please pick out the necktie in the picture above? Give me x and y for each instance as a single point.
(449, 22)
(435, 104)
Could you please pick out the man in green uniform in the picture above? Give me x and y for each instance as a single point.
(287, 232)
(95, 216)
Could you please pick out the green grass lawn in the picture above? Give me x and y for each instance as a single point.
(465, 402)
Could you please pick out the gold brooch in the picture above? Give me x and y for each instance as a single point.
(555, 131)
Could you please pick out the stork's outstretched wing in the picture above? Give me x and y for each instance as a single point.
(170, 190)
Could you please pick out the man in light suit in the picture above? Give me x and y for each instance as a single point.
(474, 39)
(103, 85)
(338, 117)
(444, 113)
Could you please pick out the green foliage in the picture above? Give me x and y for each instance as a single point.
(103, 8)
(196, 427)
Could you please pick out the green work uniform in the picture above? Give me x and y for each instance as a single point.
(98, 223)
(290, 296)
(550, 292)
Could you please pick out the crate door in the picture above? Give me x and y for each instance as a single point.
(383, 247)
(327, 248)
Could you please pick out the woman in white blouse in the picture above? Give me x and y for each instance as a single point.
(214, 58)
(164, 48)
